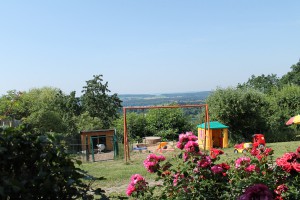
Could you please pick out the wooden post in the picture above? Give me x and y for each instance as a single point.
(87, 155)
(206, 125)
(126, 153)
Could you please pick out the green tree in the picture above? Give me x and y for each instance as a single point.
(70, 109)
(261, 83)
(284, 103)
(136, 126)
(98, 103)
(10, 105)
(164, 122)
(242, 110)
(86, 122)
(40, 110)
(292, 77)
(167, 123)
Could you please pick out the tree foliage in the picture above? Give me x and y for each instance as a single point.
(40, 110)
(166, 123)
(242, 110)
(292, 77)
(70, 109)
(262, 83)
(48, 109)
(98, 103)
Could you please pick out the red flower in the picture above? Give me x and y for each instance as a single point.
(215, 152)
(225, 166)
(288, 162)
(296, 166)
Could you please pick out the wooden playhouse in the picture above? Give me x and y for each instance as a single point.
(97, 137)
(213, 136)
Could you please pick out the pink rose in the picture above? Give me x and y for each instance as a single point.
(216, 169)
(250, 168)
(191, 146)
(242, 161)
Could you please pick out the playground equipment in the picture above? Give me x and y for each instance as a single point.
(212, 135)
(126, 146)
(164, 146)
(258, 142)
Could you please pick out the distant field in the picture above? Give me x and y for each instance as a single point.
(163, 99)
(118, 173)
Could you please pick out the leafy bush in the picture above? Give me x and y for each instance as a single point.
(194, 174)
(33, 166)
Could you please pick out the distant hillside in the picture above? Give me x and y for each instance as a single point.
(163, 99)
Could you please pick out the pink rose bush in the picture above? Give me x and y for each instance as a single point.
(195, 174)
(137, 185)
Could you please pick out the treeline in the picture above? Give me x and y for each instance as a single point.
(48, 109)
(262, 104)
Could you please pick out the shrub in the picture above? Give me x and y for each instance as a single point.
(194, 174)
(33, 166)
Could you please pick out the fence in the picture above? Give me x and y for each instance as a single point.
(96, 145)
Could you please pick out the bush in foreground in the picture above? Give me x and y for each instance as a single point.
(34, 166)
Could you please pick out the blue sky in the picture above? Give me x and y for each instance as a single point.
(139, 46)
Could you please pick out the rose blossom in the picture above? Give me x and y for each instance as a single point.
(288, 162)
(250, 168)
(130, 189)
(204, 162)
(242, 161)
(216, 169)
(191, 146)
(185, 138)
(137, 184)
(152, 162)
(225, 166)
(215, 152)
(296, 166)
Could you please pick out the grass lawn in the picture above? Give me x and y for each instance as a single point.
(118, 173)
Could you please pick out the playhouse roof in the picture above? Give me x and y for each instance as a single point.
(213, 125)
